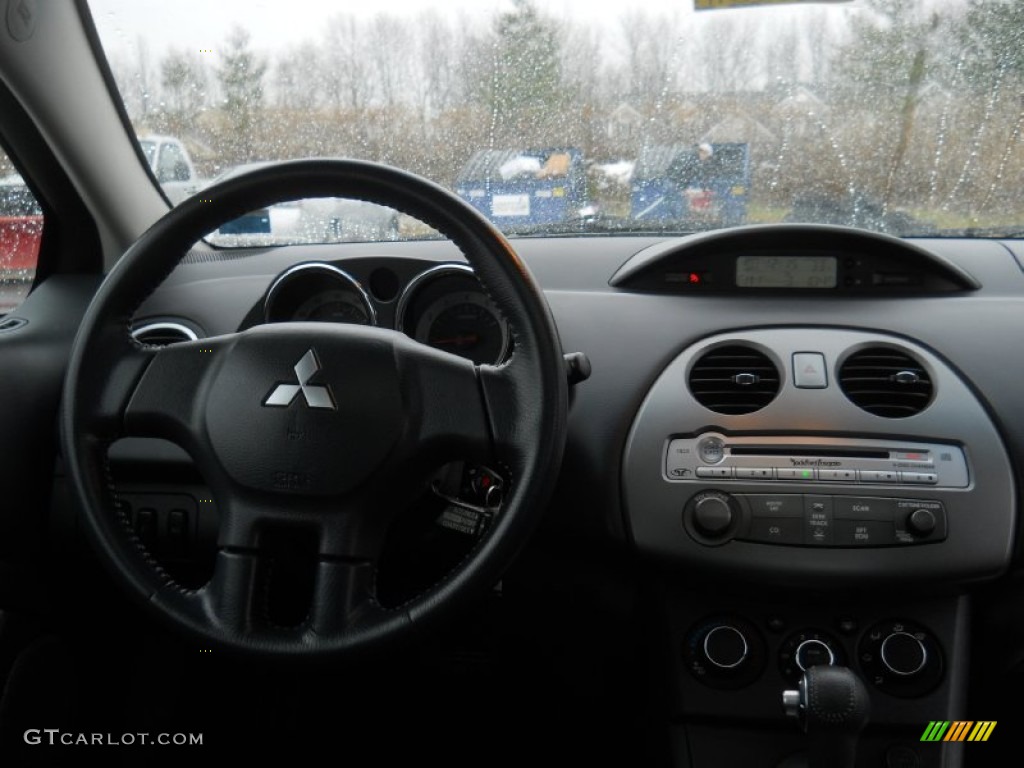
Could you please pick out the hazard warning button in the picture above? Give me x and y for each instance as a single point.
(809, 370)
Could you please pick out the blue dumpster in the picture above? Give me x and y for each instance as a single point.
(519, 189)
(681, 184)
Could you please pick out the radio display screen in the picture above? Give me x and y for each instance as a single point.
(786, 271)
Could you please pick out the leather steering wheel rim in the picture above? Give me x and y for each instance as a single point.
(190, 393)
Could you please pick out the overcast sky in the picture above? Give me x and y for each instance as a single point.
(203, 24)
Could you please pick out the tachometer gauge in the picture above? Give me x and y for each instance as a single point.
(466, 324)
(338, 306)
(319, 292)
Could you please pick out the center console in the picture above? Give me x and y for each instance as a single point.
(804, 487)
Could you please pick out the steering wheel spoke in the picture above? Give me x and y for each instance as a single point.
(168, 399)
(451, 419)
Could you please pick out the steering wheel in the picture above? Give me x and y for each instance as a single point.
(322, 428)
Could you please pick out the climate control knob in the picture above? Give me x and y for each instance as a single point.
(812, 652)
(726, 647)
(808, 648)
(903, 654)
(724, 652)
(901, 658)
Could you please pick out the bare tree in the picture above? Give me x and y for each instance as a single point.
(296, 83)
(345, 64)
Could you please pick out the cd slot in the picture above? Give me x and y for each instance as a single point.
(832, 453)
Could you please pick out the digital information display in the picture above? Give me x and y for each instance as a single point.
(786, 271)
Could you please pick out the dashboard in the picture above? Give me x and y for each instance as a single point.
(811, 435)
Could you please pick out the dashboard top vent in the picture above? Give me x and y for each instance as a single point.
(886, 382)
(734, 380)
(161, 334)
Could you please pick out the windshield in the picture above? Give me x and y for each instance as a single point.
(901, 116)
(149, 151)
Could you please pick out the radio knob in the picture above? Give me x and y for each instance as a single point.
(921, 521)
(726, 647)
(712, 514)
(903, 654)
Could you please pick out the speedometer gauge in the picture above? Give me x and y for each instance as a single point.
(447, 308)
(466, 324)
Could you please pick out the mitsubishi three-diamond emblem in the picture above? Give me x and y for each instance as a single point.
(316, 396)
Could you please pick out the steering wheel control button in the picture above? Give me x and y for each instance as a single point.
(808, 648)
(818, 528)
(711, 450)
(809, 370)
(725, 647)
(903, 654)
(712, 517)
(901, 658)
(724, 652)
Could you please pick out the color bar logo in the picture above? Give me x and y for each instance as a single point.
(958, 730)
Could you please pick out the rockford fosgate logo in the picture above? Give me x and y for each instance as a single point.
(815, 463)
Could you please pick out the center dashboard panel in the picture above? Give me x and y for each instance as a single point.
(873, 463)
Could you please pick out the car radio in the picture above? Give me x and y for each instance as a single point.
(815, 460)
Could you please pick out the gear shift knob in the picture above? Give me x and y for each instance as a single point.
(833, 706)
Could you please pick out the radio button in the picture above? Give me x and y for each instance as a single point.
(752, 473)
(776, 530)
(775, 506)
(878, 476)
(919, 478)
(711, 450)
(818, 521)
(838, 475)
(864, 508)
(789, 473)
(864, 533)
(714, 471)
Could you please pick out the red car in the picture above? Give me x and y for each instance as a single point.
(21, 230)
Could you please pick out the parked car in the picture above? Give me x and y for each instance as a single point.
(172, 165)
(21, 228)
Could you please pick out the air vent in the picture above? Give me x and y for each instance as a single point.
(734, 380)
(162, 334)
(12, 323)
(886, 382)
